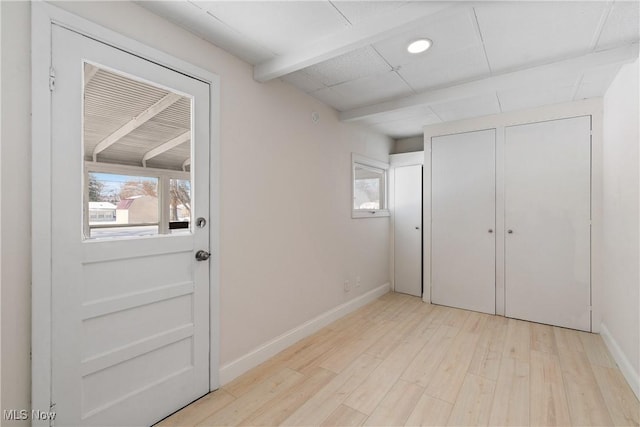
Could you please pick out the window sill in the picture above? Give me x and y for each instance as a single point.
(364, 213)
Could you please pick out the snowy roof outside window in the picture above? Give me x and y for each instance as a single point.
(101, 205)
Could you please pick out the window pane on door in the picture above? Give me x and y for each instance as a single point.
(137, 156)
(179, 205)
(122, 205)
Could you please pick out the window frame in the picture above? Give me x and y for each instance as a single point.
(371, 164)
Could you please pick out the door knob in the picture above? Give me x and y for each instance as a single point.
(202, 255)
(490, 230)
(417, 228)
(510, 231)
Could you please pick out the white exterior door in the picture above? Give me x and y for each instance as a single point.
(130, 310)
(548, 197)
(408, 229)
(463, 221)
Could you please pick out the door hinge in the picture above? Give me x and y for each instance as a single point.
(52, 79)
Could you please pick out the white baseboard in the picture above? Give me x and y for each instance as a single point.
(255, 357)
(625, 366)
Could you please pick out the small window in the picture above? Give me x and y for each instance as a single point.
(369, 188)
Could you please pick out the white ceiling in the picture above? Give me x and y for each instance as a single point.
(487, 57)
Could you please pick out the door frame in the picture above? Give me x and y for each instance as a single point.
(43, 16)
(589, 107)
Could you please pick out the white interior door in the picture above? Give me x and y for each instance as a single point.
(548, 196)
(130, 304)
(463, 220)
(408, 229)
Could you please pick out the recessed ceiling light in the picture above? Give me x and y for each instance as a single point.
(419, 46)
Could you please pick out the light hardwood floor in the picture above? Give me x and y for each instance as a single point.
(399, 361)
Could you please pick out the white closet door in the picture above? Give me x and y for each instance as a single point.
(463, 221)
(408, 229)
(548, 196)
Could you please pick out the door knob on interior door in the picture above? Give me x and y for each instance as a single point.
(510, 231)
(202, 255)
(417, 228)
(491, 230)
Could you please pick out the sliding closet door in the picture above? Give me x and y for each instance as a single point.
(463, 220)
(547, 216)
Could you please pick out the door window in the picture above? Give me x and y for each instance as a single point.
(137, 157)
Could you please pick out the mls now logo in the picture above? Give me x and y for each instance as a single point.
(23, 415)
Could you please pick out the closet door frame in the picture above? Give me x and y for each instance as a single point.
(588, 107)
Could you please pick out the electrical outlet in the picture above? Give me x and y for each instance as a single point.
(357, 281)
(347, 286)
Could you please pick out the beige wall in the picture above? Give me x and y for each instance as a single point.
(621, 188)
(0, 207)
(15, 154)
(287, 239)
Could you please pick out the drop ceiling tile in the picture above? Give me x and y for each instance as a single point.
(192, 18)
(622, 25)
(332, 98)
(350, 66)
(303, 81)
(521, 33)
(527, 97)
(358, 11)
(365, 91)
(451, 30)
(465, 108)
(280, 25)
(596, 81)
(462, 65)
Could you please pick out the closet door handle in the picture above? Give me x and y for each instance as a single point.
(490, 230)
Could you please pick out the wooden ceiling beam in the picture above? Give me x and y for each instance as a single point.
(164, 147)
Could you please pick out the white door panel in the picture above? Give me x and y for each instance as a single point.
(408, 229)
(130, 316)
(463, 221)
(547, 196)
